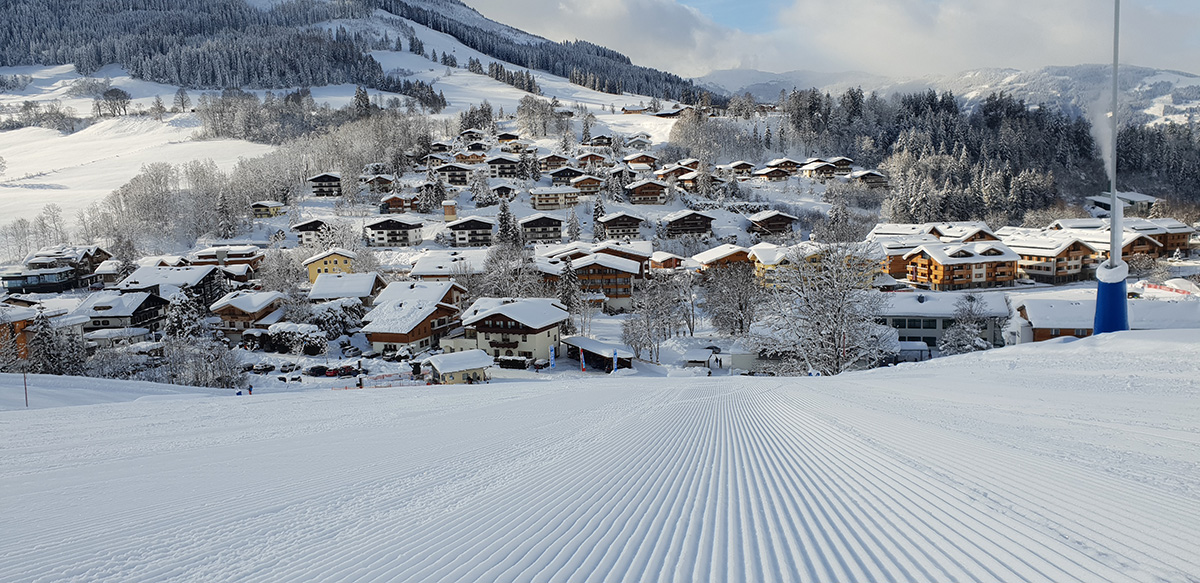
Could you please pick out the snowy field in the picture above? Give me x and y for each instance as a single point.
(1068, 462)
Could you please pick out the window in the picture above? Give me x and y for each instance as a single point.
(900, 323)
(914, 323)
(1080, 332)
(1054, 331)
(929, 324)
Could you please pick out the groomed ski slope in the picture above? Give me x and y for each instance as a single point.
(1069, 462)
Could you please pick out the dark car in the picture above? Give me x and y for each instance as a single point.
(316, 371)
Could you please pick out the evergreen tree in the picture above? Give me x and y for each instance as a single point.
(52, 350)
(569, 296)
(507, 231)
(969, 325)
(185, 318)
(574, 229)
(158, 108)
(598, 232)
(362, 102)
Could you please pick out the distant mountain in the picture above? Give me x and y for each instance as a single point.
(1148, 95)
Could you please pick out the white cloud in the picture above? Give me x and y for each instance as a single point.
(890, 37)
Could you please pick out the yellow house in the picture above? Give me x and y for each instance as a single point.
(335, 260)
(768, 257)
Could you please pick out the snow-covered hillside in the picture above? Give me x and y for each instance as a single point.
(1074, 462)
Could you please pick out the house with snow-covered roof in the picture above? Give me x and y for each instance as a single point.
(307, 231)
(472, 231)
(336, 260)
(335, 286)
(786, 164)
(244, 310)
(503, 166)
(265, 209)
(1048, 318)
(587, 184)
(959, 266)
(722, 255)
(771, 222)
(687, 222)
(326, 184)
(115, 310)
(229, 255)
(549, 198)
(1050, 256)
(563, 176)
(925, 317)
(468, 366)
(606, 277)
(444, 265)
(620, 225)
(644, 158)
(818, 170)
(509, 327)
(204, 282)
(552, 162)
(738, 168)
(647, 192)
(771, 174)
(895, 247)
(868, 178)
(409, 321)
(455, 173)
(394, 231)
(540, 227)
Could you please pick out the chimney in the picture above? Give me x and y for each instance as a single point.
(450, 208)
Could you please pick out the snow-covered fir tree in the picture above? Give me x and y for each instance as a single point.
(574, 229)
(569, 296)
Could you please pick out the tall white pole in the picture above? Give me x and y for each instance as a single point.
(1117, 214)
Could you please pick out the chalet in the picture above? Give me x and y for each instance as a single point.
(469, 158)
(506, 137)
(441, 147)
(639, 142)
(1173, 234)
(673, 113)
(601, 141)
(410, 323)
(336, 286)
(671, 171)
(947, 232)
(721, 256)
(205, 282)
(446, 292)
(513, 327)
(503, 166)
(587, 184)
(786, 164)
(109, 272)
(664, 260)
(895, 247)
(771, 174)
(379, 183)
(739, 168)
(1137, 202)
(478, 147)
(688, 222)
(336, 260)
(541, 227)
(642, 158)
(519, 147)
(818, 170)
(468, 366)
(563, 176)
(1046, 319)
(308, 231)
(692, 163)
(868, 178)
(693, 181)
(552, 162)
(396, 231)
(108, 310)
(1051, 259)
(925, 317)
(471, 135)
(444, 265)
(505, 191)
(13, 322)
(601, 275)
(958, 266)
(553, 197)
(265, 209)
(55, 269)
(472, 231)
(398, 203)
(229, 255)
(842, 165)
(326, 184)
(594, 159)
(636, 251)
(621, 225)
(244, 310)
(647, 192)
(771, 222)
(1131, 243)
(456, 174)
(634, 109)
(435, 160)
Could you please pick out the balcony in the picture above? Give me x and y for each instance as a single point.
(502, 344)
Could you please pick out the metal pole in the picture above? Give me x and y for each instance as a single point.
(1112, 307)
(25, 379)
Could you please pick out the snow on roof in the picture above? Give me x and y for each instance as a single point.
(536, 216)
(640, 167)
(466, 220)
(114, 333)
(634, 185)
(718, 253)
(697, 355)
(675, 216)
(1089, 224)
(772, 254)
(660, 256)
(636, 155)
(1139, 225)
(1134, 197)
(1042, 245)
(335, 251)
(267, 203)
(170, 260)
(10, 313)
(111, 266)
(337, 175)
(273, 318)
(907, 229)
(247, 301)
(400, 316)
(1100, 239)
(769, 170)
(436, 262)
(1143, 314)
(402, 218)
(332, 286)
(815, 165)
(764, 215)
(610, 261)
(640, 248)
(532, 312)
(837, 159)
(597, 347)
(459, 361)
(315, 223)
(901, 244)
(181, 277)
(111, 303)
(617, 215)
(426, 291)
(782, 161)
(231, 249)
(552, 155)
(583, 178)
(1172, 226)
(942, 304)
(862, 173)
(965, 253)
(553, 190)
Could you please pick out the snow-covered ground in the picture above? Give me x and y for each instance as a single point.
(1068, 462)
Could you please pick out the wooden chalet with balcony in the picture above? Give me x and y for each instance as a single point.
(563, 176)
(265, 209)
(503, 166)
(772, 174)
(1050, 259)
(551, 198)
(395, 231)
(541, 227)
(818, 170)
(308, 231)
(398, 203)
(649, 160)
(246, 310)
(506, 137)
(771, 222)
(687, 222)
(455, 174)
(647, 192)
(326, 184)
(472, 231)
(587, 184)
(594, 159)
(868, 178)
(552, 162)
(842, 165)
(509, 327)
(469, 158)
(621, 225)
(786, 164)
(959, 266)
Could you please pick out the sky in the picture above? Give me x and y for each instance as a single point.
(896, 38)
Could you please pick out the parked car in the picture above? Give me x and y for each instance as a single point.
(316, 370)
(370, 354)
(289, 367)
(351, 351)
(247, 367)
(263, 368)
